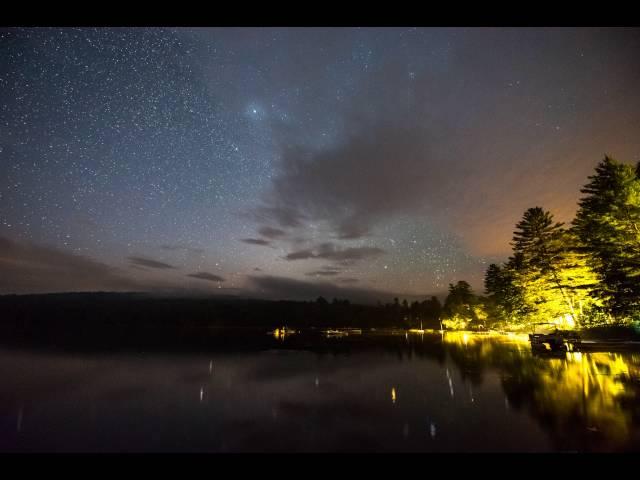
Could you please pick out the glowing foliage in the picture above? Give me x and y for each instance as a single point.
(462, 308)
(608, 226)
(582, 276)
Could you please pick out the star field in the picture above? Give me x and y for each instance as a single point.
(392, 160)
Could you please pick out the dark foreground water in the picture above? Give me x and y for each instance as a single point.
(371, 392)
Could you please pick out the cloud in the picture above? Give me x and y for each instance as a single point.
(150, 263)
(173, 248)
(329, 251)
(283, 215)
(384, 167)
(300, 255)
(206, 276)
(458, 144)
(256, 241)
(347, 280)
(279, 288)
(326, 273)
(28, 268)
(271, 232)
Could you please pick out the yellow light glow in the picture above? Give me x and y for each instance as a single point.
(337, 333)
(471, 338)
(597, 386)
(281, 333)
(393, 395)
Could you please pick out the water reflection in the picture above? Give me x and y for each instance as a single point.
(587, 401)
(459, 392)
(583, 395)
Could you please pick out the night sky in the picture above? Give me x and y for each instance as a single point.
(289, 163)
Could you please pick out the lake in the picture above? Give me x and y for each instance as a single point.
(309, 391)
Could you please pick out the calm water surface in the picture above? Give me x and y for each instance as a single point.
(417, 393)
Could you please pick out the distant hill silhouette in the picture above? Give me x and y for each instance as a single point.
(142, 318)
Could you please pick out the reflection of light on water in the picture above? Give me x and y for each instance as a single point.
(471, 338)
(432, 430)
(393, 395)
(201, 394)
(281, 333)
(598, 388)
(317, 382)
(574, 356)
(595, 386)
(210, 367)
(340, 332)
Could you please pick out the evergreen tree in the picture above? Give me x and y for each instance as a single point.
(549, 270)
(608, 226)
(431, 310)
(505, 299)
(459, 305)
(534, 236)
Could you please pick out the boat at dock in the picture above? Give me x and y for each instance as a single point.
(548, 338)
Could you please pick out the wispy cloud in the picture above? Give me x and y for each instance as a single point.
(348, 280)
(173, 248)
(29, 268)
(149, 262)
(329, 251)
(271, 232)
(256, 241)
(206, 276)
(287, 288)
(323, 273)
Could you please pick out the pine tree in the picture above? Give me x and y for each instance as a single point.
(608, 226)
(459, 304)
(505, 298)
(552, 273)
(534, 235)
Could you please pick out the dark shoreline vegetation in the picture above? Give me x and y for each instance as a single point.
(121, 321)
